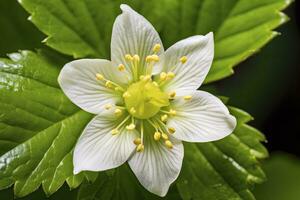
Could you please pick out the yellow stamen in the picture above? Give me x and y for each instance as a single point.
(156, 136)
(128, 57)
(108, 84)
(130, 127)
(187, 98)
(132, 110)
(155, 58)
(156, 48)
(148, 59)
(163, 76)
(172, 95)
(118, 89)
(126, 95)
(170, 75)
(121, 67)
(171, 130)
(164, 118)
(152, 58)
(169, 144)
(146, 78)
(137, 141)
(118, 112)
(164, 136)
(115, 131)
(172, 112)
(136, 58)
(140, 148)
(155, 83)
(183, 59)
(108, 106)
(99, 77)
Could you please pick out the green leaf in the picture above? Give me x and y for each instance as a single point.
(83, 28)
(39, 125)
(109, 185)
(283, 172)
(225, 169)
(16, 32)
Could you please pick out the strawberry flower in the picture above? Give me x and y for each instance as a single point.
(145, 101)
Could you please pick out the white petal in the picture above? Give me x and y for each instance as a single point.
(97, 149)
(204, 118)
(132, 34)
(157, 166)
(199, 51)
(78, 81)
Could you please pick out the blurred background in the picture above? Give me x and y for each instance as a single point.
(267, 86)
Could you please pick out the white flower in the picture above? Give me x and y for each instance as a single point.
(146, 101)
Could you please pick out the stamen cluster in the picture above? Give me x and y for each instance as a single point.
(143, 99)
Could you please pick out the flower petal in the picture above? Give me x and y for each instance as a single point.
(204, 118)
(78, 81)
(199, 51)
(132, 34)
(157, 166)
(97, 149)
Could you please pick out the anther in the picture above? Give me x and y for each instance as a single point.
(136, 58)
(118, 112)
(108, 84)
(172, 112)
(170, 75)
(156, 136)
(121, 67)
(118, 89)
(164, 136)
(163, 76)
(115, 131)
(148, 59)
(126, 95)
(156, 48)
(187, 98)
(128, 57)
(169, 144)
(164, 118)
(108, 106)
(140, 148)
(99, 77)
(142, 77)
(137, 141)
(132, 110)
(146, 78)
(155, 58)
(183, 59)
(130, 127)
(151, 58)
(171, 130)
(172, 95)
(155, 83)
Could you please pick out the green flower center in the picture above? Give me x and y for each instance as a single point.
(146, 103)
(144, 99)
